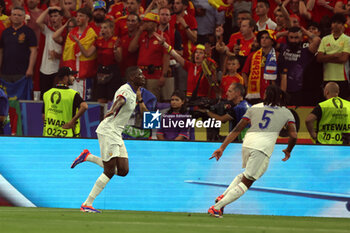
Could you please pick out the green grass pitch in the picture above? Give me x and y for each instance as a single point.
(49, 220)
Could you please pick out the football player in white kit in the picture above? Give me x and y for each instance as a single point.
(266, 120)
(114, 157)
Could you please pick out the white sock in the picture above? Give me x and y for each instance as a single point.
(234, 183)
(97, 160)
(232, 195)
(94, 159)
(96, 190)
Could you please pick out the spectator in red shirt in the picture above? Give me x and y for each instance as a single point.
(298, 10)
(123, 56)
(122, 8)
(153, 60)
(117, 9)
(164, 26)
(69, 8)
(175, 41)
(108, 76)
(240, 43)
(132, 6)
(283, 22)
(231, 76)
(98, 15)
(260, 68)
(34, 13)
(194, 70)
(241, 15)
(323, 8)
(81, 36)
(186, 24)
(8, 7)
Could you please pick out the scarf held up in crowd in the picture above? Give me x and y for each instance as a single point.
(270, 72)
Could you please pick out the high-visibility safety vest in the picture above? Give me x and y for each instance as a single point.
(58, 111)
(335, 120)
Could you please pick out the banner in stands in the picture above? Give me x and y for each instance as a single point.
(175, 177)
(26, 120)
(20, 90)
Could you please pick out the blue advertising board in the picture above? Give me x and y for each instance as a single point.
(32, 122)
(178, 176)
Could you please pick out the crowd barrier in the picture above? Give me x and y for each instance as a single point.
(30, 123)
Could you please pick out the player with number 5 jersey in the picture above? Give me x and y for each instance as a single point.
(266, 121)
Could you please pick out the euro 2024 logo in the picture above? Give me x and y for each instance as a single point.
(151, 120)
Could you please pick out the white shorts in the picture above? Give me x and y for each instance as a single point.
(111, 148)
(255, 163)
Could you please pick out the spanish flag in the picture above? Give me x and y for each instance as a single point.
(222, 5)
(72, 56)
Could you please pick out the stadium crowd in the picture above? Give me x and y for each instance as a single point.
(197, 47)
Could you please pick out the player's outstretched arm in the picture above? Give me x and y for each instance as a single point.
(292, 140)
(118, 103)
(232, 136)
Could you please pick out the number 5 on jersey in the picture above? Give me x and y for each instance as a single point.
(266, 119)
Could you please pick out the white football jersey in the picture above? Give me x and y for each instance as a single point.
(113, 126)
(266, 124)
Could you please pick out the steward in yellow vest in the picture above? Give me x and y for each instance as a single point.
(332, 115)
(63, 107)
